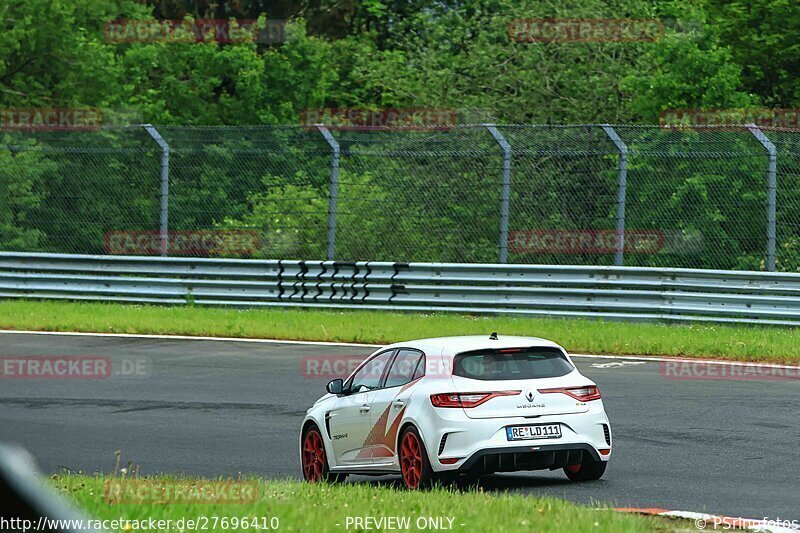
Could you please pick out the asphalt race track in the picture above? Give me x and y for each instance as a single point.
(223, 407)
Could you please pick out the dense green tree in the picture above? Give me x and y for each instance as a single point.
(764, 38)
(63, 191)
(377, 54)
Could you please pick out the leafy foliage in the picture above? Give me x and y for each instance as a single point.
(63, 193)
(409, 53)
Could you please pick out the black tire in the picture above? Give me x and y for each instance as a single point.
(414, 464)
(587, 471)
(320, 470)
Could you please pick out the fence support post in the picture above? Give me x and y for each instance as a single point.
(164, 196)
(505, 190)
(334, 189)
(772, 192)
(622, 192)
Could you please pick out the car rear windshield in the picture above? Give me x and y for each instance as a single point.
(522, 363)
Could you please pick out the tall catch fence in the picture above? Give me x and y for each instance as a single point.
(714, 198)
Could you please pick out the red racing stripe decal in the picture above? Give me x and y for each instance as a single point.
(379, 434)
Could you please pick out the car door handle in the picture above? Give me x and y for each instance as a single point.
(364, 408)
(398, 404)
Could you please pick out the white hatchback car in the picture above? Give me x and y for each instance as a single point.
(471, 405)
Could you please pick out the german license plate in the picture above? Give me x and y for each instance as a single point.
(539, 431)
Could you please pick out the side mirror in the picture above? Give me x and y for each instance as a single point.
(335, 386)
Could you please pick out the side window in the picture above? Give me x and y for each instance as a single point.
(405, 368)
(420, 371)
(370, 374)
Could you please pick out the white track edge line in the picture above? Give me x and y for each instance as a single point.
(364, 345)
(721, 362)
(186, 338)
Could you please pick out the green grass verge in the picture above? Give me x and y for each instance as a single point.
(305, 507)
(746, 343)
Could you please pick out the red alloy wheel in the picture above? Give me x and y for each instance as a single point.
(411, 460)
(313, 456)
(573, 469)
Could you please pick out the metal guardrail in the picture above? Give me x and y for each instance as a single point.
(627, 293)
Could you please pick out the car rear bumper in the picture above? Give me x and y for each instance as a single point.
(537, 457)
(456, 443)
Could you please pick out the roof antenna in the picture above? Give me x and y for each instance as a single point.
(493, 336)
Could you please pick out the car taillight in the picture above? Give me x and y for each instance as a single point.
(583, 394)
(467, 400)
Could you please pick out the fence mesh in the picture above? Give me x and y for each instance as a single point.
(695, 198)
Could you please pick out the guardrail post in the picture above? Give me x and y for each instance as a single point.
(505, 190)
(164, 209)
(333, 202)
(622, 192)
(772, 192)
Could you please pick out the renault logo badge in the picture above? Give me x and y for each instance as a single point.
(529, 396)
